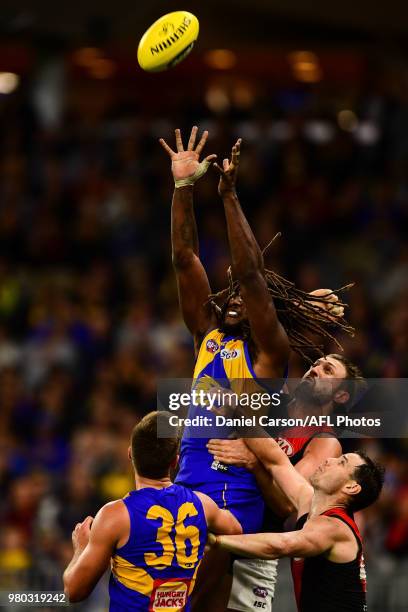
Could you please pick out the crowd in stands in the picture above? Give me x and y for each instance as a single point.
(89, 318)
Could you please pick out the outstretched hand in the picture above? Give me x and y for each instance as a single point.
(185, 165)
(328, 303)
(228, 173)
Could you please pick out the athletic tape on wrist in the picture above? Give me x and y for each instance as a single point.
(201, 170)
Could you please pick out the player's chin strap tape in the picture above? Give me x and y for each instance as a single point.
(201, 170)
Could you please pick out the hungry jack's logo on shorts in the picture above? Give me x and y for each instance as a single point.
(169, 595)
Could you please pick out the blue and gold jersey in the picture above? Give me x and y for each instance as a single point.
(155, 570)
(225, 360)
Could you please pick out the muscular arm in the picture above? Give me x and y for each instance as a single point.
(92, 559)
(192, 282)
(296, 488)
(248, 269)
(318, 450)
(236, 452)
(317, 537)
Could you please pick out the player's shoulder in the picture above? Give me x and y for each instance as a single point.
(112, 523)
(338, 528)
(207, 503)
(113, 511)
(322, 442)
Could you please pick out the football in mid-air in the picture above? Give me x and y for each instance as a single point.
(168, 41)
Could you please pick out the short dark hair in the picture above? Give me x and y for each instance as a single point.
(370, 476)
(354, 382)
(152, 456)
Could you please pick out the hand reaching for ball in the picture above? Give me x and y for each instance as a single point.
(185, 165)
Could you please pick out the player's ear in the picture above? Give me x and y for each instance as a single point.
(174, 463)
(130, 453)
(341, 396)
(352, 487)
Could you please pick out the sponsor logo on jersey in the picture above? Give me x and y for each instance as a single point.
(226, 354)
(219, 467)
(169, 595)
(260, 592)
(212, 346)
(285, 446)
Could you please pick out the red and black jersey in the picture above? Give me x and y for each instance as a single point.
(295, 440)
(324, 586)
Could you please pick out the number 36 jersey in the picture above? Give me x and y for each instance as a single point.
(155, 570)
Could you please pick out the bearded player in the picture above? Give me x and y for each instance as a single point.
(244, 339)
(326, 549)
(332, 382)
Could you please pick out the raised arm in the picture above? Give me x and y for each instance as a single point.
(192, 281)
(248, 268)
(297, 489)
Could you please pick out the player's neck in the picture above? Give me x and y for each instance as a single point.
(322, 502)
(142, 482)
(300, 409)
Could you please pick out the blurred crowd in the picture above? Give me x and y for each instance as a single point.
(89, 318)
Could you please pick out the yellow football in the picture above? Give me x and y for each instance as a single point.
(167, 41)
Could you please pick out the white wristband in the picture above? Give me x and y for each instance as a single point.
(201, 170)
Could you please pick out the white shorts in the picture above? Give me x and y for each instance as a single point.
(253, 584)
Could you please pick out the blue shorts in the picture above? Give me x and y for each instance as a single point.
(247, 505)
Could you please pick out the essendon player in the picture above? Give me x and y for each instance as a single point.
(326, 549)
(331, 382)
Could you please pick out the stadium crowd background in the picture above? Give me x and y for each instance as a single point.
(88, 306)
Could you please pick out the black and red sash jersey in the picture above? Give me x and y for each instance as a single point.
(293, 442)
(324, 586)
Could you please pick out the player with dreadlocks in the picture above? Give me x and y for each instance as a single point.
(241, 334)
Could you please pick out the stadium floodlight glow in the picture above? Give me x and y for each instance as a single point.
(8, 82)
(220, 59)
(243, 95)
(217, 99)
(87, 56)
(307, 73)
(102, 69)
(305, 66)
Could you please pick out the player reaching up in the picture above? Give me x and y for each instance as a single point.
(332, 382)
(153, 538)
(241, 339)
(326, 549)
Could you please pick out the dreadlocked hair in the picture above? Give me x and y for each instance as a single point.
(298, 311)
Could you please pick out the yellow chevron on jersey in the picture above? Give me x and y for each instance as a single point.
(135, 578)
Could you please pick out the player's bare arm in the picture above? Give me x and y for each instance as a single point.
(219, 520)
(248, 269)
(236, 452)
(317, 451)
(94, 541)
(320, 535)
(296, 488)
(192, 281)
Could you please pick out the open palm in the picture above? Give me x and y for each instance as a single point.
(185, 164)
